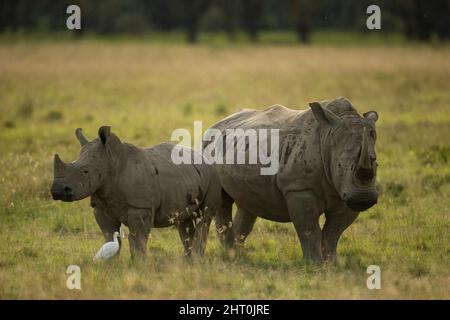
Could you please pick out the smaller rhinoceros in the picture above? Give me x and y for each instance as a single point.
(141, 188)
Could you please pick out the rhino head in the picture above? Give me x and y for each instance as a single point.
(84, 176)
(348, 152)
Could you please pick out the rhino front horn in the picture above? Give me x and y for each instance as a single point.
(364, 159)
(58, 163)
(364, 170)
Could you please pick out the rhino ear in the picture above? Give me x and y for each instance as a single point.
(323, 116)
(80, 136)
(104, 133)
(371, 115)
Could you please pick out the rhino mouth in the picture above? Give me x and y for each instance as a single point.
(62, 193)
(360, 202)
(360, 205)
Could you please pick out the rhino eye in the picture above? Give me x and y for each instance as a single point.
(85, 171)
(372, 134)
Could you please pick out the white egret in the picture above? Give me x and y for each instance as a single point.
(109, 249)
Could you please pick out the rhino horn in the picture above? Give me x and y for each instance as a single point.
(364, 158)
(364, 169)
(58, 163)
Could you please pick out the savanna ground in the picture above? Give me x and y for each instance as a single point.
(145, 89)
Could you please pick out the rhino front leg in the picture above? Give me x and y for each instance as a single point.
(224, 221)
(242, 225)
(335, 224)
(140, 222)
(107, 224)
(304, 212)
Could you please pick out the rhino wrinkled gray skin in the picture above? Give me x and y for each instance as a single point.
(327, 165)
(140, 188)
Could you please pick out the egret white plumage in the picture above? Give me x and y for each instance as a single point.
(109, 249)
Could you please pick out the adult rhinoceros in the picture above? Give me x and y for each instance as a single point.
(327, 164)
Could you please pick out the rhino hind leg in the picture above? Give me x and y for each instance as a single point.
(186, 230)
(242, 225)
(335, 224)
(224, 221)
(201, 235)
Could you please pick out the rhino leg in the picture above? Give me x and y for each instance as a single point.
(186, 230)
(140, 222)
(201, 235)
(304, 212)
(224, 221)
(242, 225)
(335, 224)
(107, 224)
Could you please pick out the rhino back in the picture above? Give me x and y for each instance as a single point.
(273, 117)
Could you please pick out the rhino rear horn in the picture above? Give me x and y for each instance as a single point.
(81, 138)
(323, 116)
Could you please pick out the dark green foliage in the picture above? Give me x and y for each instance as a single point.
(187, 109)
(9, 124)
(420, 20)
(53, 116)
(25, 109)
(221, 109)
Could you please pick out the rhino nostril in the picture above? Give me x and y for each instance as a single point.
(67, 189)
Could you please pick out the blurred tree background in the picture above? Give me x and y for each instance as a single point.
(416, 19)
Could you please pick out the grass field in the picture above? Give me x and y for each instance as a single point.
(145, 90)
